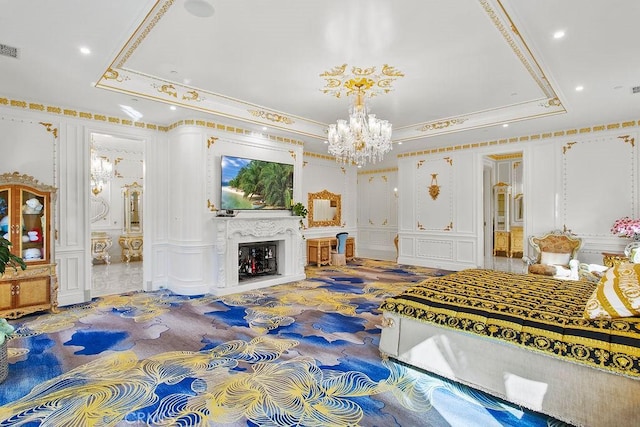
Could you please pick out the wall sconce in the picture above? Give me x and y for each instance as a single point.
(434, 188)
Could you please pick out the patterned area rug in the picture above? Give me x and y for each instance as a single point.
(300, 354)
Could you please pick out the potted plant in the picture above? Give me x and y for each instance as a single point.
(9, 259)
(298, 209)
(13, 261)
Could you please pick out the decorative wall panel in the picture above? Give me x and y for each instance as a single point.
(599, 184)
(434, 194)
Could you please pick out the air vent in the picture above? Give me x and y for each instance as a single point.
(635, 89)
(8, 51)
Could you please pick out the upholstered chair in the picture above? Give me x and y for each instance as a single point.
(339, 257)
(552, 250)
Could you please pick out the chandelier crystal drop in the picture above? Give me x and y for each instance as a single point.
(363, 139)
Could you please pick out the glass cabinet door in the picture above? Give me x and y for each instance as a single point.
(5, 214)
(33, 227)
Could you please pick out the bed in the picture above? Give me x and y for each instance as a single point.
(539, 342)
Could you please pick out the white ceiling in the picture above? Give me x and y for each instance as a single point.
(460, 68)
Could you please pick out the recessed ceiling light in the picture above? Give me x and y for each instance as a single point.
(505, 125)
(326, 142)
(579, 88)
(173, 108)
(199, 8)
(85, 50)
(400, 143)
(264, 128)
(558, 34)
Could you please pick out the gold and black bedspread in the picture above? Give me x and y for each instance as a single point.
(536, 312)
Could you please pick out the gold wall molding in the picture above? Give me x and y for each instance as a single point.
(319, 156)
(85, 115)
(368, 172)
(628, 139)
(523, 138)
(273, 117)
(49, 127)
(567, 147)
(508, 156)
(211, 140)
(211, 206)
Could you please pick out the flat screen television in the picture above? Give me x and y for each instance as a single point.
(248, 184)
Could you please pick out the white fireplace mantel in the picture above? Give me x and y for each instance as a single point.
(230, 232)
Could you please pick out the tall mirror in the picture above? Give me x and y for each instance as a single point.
(325, 209)
(132, 208)
(502, 195)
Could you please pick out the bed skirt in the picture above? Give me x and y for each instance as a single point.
(577, 394)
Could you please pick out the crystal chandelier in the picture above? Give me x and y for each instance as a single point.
(101, 172)
(364, 138)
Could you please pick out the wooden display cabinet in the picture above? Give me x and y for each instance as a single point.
(26, 219)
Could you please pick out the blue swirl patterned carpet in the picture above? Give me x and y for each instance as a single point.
(301, 354)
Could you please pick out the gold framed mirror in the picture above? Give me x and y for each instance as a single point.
(132, 208)
(325, 209)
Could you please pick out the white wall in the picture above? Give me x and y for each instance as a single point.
(378, 195)
(323, 173)
(580, 183)
(54, 148)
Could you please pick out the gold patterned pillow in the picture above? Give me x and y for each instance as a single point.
(617, 293)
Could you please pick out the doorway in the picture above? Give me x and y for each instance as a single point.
(116, 206)
(503, 211)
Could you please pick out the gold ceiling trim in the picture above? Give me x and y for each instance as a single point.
(24, 105)
(140, 35)
(274, 117)
(534, 69)
(569, 132)
(339, 84)
(441, 124)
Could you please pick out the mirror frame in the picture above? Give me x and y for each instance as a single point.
(128, 192)
(324, 195)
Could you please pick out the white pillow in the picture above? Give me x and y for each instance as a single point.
(550, 258)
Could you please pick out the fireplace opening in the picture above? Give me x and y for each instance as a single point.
(257, 259)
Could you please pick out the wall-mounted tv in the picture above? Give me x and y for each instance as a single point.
(255, 184)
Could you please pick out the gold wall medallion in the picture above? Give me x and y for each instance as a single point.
(434, 188)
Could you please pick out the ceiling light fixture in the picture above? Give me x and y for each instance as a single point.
(579, 88)
(199, 8)
(364, 138)
(85, 50)
(558, 34)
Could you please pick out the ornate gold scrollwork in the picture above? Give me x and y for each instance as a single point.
(274, 117)
(387, 322)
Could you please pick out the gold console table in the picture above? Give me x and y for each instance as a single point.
(100, 244)
(131, 245)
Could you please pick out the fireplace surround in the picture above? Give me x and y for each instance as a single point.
(283, 232)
